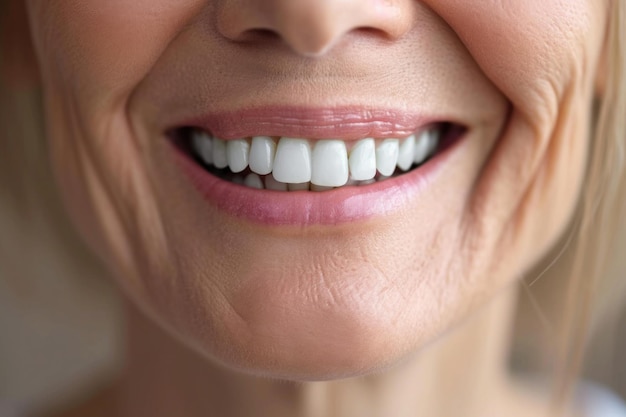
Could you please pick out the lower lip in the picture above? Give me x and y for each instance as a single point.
(304, 208)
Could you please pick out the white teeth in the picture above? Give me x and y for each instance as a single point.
(237, 152)
(272, 184)
(262, 155)
(203, 146)
(363, 160)
(253, 181)
(292, 163)
(387, 156)
(329, 163)
(406, 153)
(220, 158)
(426, 145)
(421, 147)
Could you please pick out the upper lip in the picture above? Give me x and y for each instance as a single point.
(346, 123)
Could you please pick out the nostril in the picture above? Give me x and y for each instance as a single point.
(260, 35)
(313, 27)
(373, 32)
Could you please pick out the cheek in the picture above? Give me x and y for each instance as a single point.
(532, 50)
(542, 56)
(105, 47)
(92, 55)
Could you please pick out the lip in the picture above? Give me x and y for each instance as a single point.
(342, 205)
(347, 123)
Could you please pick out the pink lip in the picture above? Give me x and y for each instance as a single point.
(342, 205)
(347, 123)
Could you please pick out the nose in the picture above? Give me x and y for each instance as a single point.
(313, 27)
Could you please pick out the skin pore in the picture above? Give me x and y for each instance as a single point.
(382, 302)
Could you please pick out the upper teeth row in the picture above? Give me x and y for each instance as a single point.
(327, 163)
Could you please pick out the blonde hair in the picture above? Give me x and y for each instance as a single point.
(603, 197)
(601, 208)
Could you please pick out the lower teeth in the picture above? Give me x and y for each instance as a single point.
(267, 182)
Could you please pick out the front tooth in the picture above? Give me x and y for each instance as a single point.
(292, 163)
(421, 147)
(253, 181)
(363, 160)
(237, 154)
(329, 163)
(262, 155)
(387, 156)
(203, 146)
(220, 158)
(406, 153)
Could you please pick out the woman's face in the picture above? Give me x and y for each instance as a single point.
(309, 284)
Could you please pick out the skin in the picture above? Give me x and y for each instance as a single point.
(321, 302)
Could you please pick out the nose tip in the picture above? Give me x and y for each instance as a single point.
(313, 27)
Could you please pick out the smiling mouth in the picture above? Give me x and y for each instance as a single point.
(299, 164)
(285, 166)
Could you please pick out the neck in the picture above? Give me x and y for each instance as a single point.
(464, 373)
